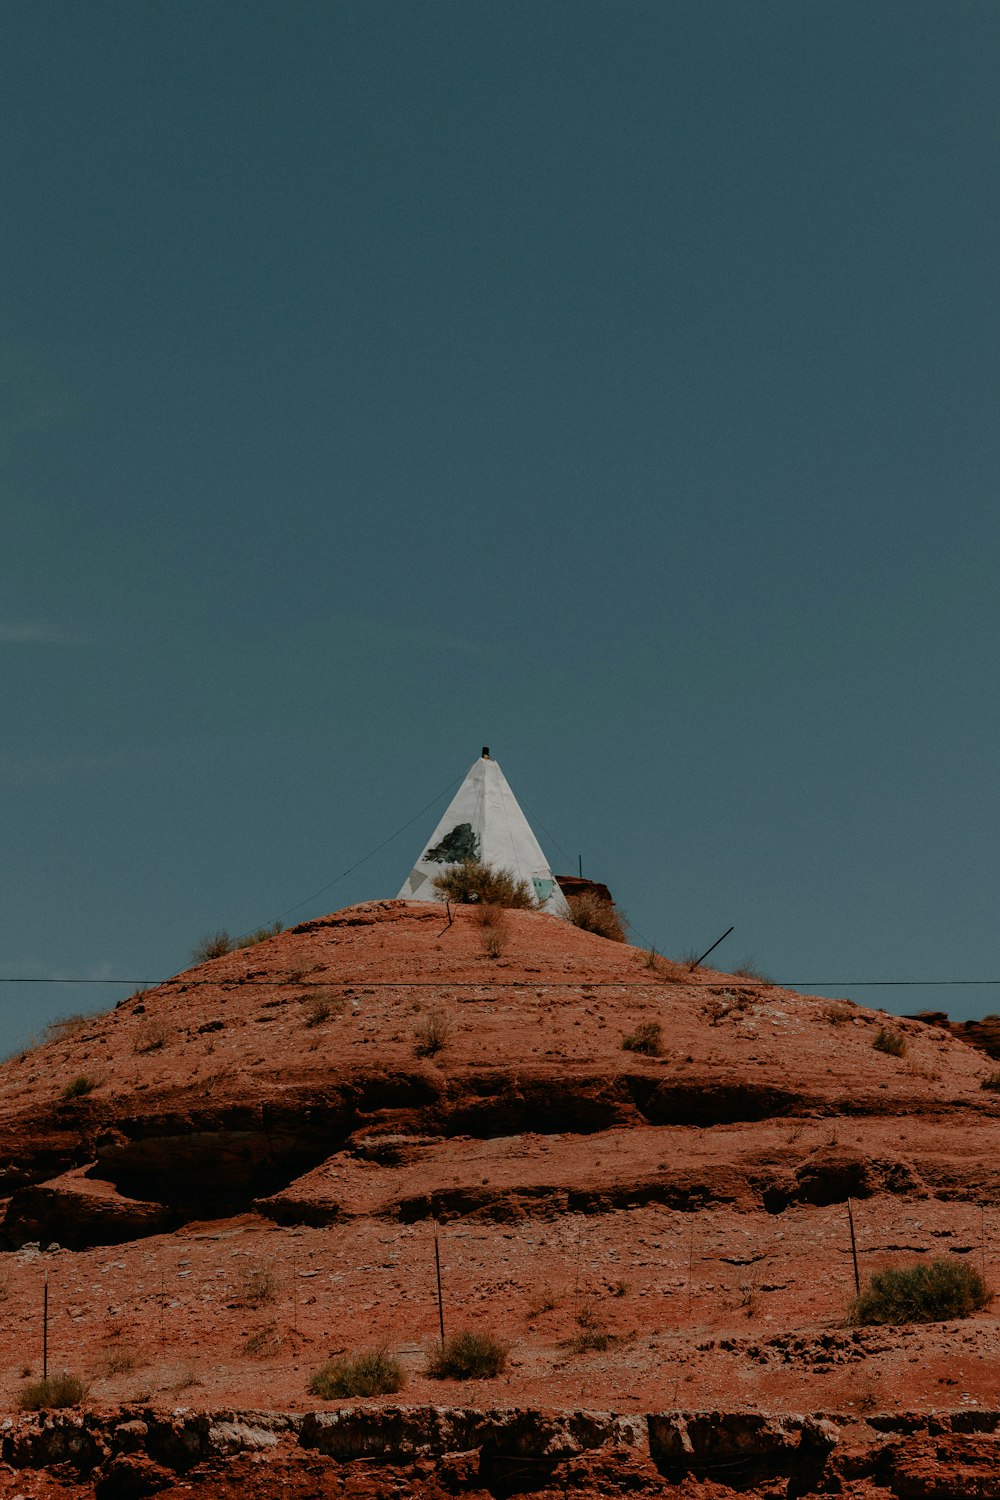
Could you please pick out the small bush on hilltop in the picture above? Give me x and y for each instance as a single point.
(215, 945)
(57, 1390)
(928, 1292)
(588, 912)
(469, 1356)
(647, 1038)
(62, 1030)
(473, 881)
(890, 1042)
(259, 935)
(748, 970)
(79, 1087)
(374, 1373)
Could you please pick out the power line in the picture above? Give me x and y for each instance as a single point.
(734, 980)
(365, 858)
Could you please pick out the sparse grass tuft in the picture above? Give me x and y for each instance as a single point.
(474, 881)
(593, 1336)
(264, 1343)
(79, 1087)
(259, 935)
(991, 1082)
(590, 1341)
(65, 1028)
(318, 1010)
(469, 1356)
(890, 1042)
(494, 928)
(256, 1284)
(431, 1035)
(838, 1012)
(747, 970)
(57, 1390)
(927, 1292)
(588, 912)
(373, 1373)
(647, 1038)
(152, 1035)
(215, 945)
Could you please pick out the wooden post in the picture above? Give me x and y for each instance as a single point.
(45, 1329)
(437, 1267)
(854, 1250)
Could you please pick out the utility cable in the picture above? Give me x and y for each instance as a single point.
(371, 853)
(736, 981)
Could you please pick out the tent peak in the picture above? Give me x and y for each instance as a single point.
(483, 821)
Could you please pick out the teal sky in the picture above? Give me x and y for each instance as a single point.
(612, 384)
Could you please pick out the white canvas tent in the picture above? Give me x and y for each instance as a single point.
(483, 821)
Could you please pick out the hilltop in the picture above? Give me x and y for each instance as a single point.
(244, 1181)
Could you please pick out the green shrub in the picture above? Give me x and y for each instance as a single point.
(473, 881)
(215, 945)
(992, 1082)
(590, 913)
(57, 1390)
(646, 1038)
(927, 1292)
(469, 1356)
(374, 1373)
(79, 1086)
(890, 1042)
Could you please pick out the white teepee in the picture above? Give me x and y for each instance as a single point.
(483, 821)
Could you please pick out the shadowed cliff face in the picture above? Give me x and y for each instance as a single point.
(310, 1103)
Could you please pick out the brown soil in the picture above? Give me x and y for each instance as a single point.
(248, 1187)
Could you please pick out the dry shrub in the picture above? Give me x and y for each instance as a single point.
(65, 1028)
(373, 1373)
(214, 945)
(321, 1006)
(58, 1390)
(118, 1362)
(259, 935)
(588, 912)
(593, 1336)
(431, 1034)
(469, 1356)
(543, 1302)
(473, 881)
(185, 1377)
(152, 1035)
(494, 928)
(890, 1042)
(256, 1284)
(748, 970)
(991, 1081)
(838, 1012)
(264, 1343)
(647, 1038)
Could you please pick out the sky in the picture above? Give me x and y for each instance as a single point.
(614, 384)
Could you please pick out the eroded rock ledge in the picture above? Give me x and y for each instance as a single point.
(134, 1451)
